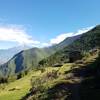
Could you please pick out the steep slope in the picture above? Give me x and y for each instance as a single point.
(64, 43)
(29, 59)
(24, 60)
(68, 82)
(86, 42)
(71, 81)
(77, 80)
(67, 41)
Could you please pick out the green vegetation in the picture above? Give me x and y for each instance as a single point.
(67, 81)
(51, 82)
(23, 61)
(84, 44)
(17, 89)
(57, 54)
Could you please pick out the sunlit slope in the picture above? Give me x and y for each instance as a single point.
(16, 90)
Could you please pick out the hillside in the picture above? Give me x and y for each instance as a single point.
(71, 81)
(85, 43)
(52, 56)
(67, 41)
(70, 73)
(24, 60)
(28, 59)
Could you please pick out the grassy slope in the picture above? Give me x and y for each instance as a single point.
(86, 42)
(29, 58)
(24, 85)
(24, 60)
(66, 84)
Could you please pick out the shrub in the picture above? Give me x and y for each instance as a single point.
(12, 78)
(20, 75)
(51, 75)
(37, 85)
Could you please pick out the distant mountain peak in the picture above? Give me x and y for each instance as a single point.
(6, 54)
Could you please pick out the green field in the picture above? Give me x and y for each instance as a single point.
(22, 87)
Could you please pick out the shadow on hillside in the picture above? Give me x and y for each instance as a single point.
(87, 89)
(64, 91)
(90, 86)
(89, 70)
(19, 63)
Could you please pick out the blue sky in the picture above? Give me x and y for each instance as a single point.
(42, 22)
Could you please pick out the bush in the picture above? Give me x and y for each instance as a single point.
(12, 78)
(20, 75)
(37, 85)
(52, 75)
(3, 80)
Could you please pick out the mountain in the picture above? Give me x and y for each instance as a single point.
(57, 78)
(7, 54)
(86, 42)
(29, 59)
(67, 41)
(25, 60)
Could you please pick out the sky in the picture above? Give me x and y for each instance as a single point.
(45, 22)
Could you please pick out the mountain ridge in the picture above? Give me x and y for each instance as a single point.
(29, 59)
(7, 54)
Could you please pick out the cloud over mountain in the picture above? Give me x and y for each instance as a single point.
(13, 33)
(16, 34)
(63, 36)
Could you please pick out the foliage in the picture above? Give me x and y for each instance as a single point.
(11, 78)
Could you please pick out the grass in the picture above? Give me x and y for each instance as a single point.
(23, 86)
(65, 67)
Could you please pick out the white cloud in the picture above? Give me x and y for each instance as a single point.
(45, 44)
(16, 34)
(61, 37)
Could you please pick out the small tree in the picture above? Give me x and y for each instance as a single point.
(20, 75)
(42, 62)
